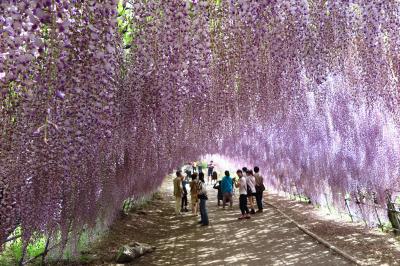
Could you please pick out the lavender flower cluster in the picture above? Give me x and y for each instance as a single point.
(307, 90)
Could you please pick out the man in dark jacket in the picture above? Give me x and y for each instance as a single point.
(184, 196)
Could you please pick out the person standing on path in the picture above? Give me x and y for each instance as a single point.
(210, 172)
(184, 196)
(194, 200)
(226, 189)
(214, 177)
(233, 186)
(244, 171)
(251, 189)
(200, 167)
(259, 188)
(178, 192)
(217, 185)
(202, 194)
(242, 185)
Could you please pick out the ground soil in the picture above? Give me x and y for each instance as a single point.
(266, 239)
(370, 246)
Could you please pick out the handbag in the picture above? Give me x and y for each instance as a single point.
(249, 192)
(202, 196)
(260, 188)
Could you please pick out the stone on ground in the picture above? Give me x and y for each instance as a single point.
(127, 253)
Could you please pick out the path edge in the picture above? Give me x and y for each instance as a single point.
(318, 238)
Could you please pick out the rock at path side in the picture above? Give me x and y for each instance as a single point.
(128, 253)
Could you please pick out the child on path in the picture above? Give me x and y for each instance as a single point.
(217, 185)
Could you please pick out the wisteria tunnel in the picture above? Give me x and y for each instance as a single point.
(101, 99)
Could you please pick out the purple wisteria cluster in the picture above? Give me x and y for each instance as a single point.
(307, 90)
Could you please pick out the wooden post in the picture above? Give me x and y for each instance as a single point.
(362, 213)
(46, 250)
(340, 211)
(327, 203)
(377, 216)
(297, 193)
(375, 202)
(348, 208)
(290, 192)
(24, 246)
(392, 213)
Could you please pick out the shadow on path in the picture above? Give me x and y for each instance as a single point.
(266, 239)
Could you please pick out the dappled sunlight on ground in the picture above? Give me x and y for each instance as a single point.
(368, 245)
(266, 239)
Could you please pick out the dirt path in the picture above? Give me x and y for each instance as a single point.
(371, 246)
(266, 239)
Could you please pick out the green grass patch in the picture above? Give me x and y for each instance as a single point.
(12, 251)
(131, 205)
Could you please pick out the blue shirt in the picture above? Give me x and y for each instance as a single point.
(226, 184)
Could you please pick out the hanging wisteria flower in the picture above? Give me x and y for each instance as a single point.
(93, 92)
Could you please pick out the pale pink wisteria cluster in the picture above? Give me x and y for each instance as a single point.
(308, 90)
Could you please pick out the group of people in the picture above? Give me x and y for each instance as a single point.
(212, 176)
(250, 185)
(198, 195)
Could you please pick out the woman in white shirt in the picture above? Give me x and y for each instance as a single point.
(242, 185)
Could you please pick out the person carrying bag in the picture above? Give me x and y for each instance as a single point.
(260, 188)
(202, 195)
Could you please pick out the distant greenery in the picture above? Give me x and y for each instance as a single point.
(125, 20)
